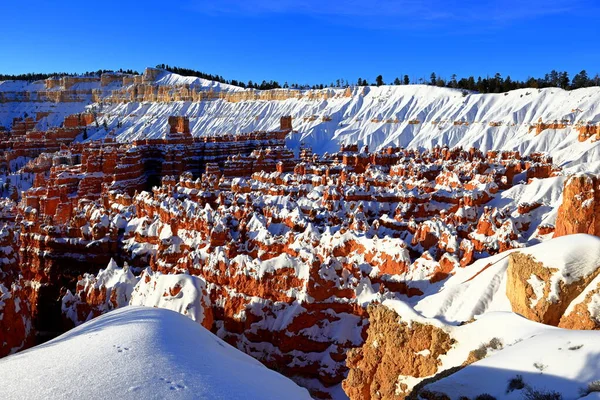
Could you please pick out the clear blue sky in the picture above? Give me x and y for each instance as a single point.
(304, 41)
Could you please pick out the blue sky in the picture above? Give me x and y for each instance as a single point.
(304, 41)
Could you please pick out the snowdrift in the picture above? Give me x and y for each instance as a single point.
(140, 353)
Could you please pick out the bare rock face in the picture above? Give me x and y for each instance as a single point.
(541, 284)
(393, 348)
(584, 311)
(16, 331)
(16, 293)
(580, 210)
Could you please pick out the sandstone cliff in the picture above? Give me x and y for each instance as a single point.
(580, 210)
(543, 281)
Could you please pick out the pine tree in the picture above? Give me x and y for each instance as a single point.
(564, 80)
(453, 83)
(379, 80)
(406, 80)
(397, 81)
(433, 78)
(581, 80)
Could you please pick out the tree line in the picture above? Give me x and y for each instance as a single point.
(494, 84)
(497, 83)
(35, 76)
(500, 84)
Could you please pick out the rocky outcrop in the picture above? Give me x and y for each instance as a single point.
(544, 281)
(584, 311)
(393, 348)
(580, 209)
(541, 126)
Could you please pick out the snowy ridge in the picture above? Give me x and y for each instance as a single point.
(146, 353)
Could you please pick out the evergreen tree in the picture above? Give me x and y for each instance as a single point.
(581, 80)
(552, 78)
(433, 78)
(453, 83)
(379, 80)
(471, 83)
(397, 81)
(564, 80)
(508, 84)
(406, 80)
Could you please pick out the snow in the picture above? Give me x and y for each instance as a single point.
(154, 289)
(547, 191)
(594, 303)
(140, 353)
(573, 256)
(547, 358)
(579, 254)
(538, 286)
(471, 291)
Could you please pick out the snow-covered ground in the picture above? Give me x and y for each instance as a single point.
(140, 353)
(543, 358)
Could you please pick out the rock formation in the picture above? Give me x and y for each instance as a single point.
(393, 348)
(580, 210)
(543, 290)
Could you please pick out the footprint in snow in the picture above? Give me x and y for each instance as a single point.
(173, 385)
(120, 349)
